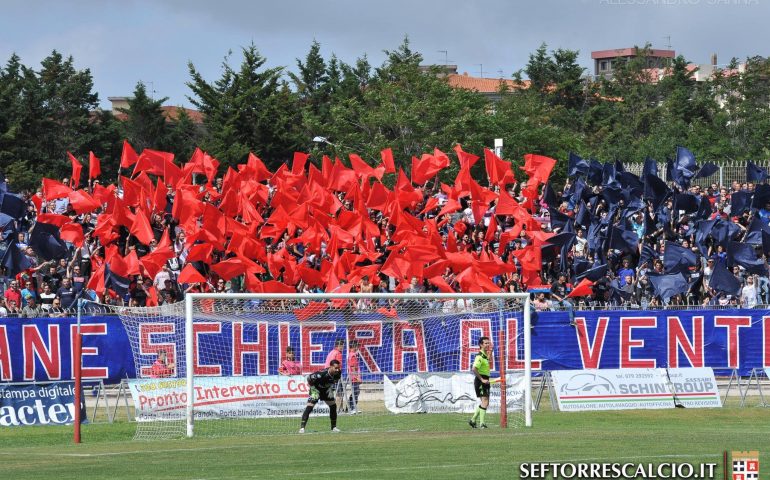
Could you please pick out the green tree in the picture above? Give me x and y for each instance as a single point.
(249, 109)
(145, 125)
(45, 114)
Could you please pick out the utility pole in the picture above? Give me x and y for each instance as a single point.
(481, 70)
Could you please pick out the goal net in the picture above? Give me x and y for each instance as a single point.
(236, 364)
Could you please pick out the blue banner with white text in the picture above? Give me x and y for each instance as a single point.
(41, 349)
(49, 404)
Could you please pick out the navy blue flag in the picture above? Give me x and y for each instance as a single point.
(684, 166)
(761, 196)
(624, 240)
(612, 195)
(655, 190)
(707, 170)
(7, 227)
(15, 261)
(12, 205)
(650, 168)
(724, 231)
(595, 172)
(766, 243)
(739, 202)
(648, 255)
(666, 286)
(549, 196)
(723, 281)
(567, 240)
(558, 219)
(754, 232)
(44, 240)
(583, 216)
(594, 274)
(575, 192)
(686, 202)
(630, 181)
(609, 179)
(702, 231)
(577, 166)
(755, 173)
(116, 282)
(676, 258)
(705, 209)
(743, 254)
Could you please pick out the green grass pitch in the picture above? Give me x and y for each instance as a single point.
(390, 446)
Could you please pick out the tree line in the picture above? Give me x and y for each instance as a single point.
(273, 112)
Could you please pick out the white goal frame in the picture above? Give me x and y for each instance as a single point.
(526, 316)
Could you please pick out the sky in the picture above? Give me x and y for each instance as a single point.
(123, 42)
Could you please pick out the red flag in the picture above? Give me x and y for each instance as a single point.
(227, 269)
(152, 161)
(498, 171)
(439, 282)
(298, 163)
(82, 202)
(200, 253)
(387, 160)
(388, 312)
(538, 167)
(506, 205)
(312, 309)
(152, 298)
(159, 200)
(53, 219)
(257, 168)
(190, 275)
(141, 228)
(73, 233)
(424, 169)
(96, 282)
(274, 286)
(466, 159)
(53, 189)
(128, 157)
(76, 168)
(582, 289)
(94, 166)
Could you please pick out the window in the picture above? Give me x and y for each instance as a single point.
(603, 65)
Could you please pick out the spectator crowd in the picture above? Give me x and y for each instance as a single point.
(608, 238)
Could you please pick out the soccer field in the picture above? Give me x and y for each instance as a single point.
(419, 446)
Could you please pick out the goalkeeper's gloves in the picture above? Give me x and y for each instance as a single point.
(314, 393)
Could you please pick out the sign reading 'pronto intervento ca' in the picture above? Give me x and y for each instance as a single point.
(249, 397)
(645, 388)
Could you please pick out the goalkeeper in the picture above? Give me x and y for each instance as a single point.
(322, 388)
(481, 382)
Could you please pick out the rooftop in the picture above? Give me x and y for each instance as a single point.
(630, 52)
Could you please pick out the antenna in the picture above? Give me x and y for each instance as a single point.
(668, 41)
(500, 73)
(481, 69)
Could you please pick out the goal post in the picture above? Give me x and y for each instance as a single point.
(401, 353)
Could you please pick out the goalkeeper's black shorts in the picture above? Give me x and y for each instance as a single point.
(482, 389)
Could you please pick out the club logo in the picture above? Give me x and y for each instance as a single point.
(745, 465)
